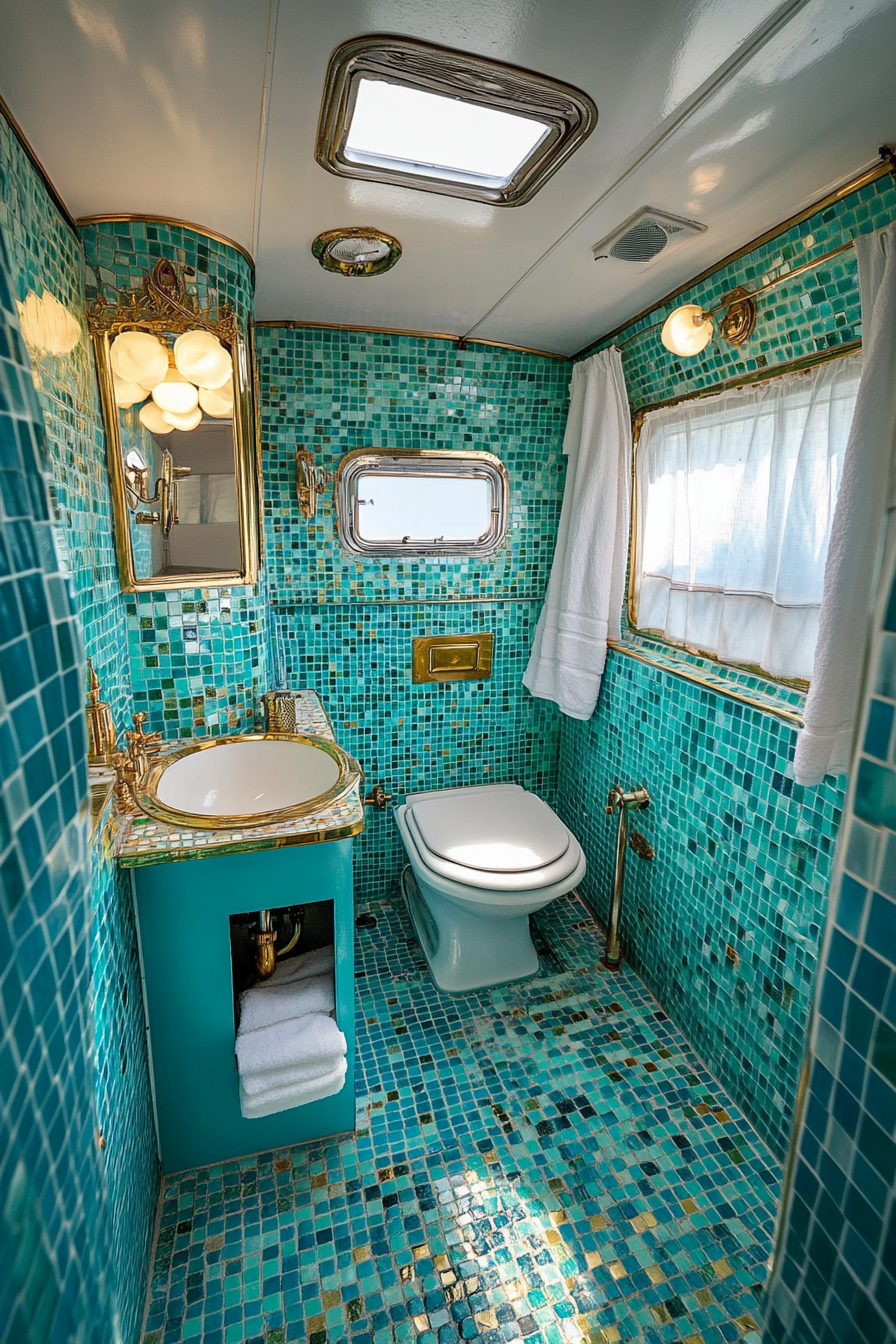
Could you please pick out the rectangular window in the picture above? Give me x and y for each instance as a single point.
(421, 503)
(734, 499)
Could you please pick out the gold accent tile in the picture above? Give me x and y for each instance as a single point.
(359, 1254)
(617, 1269)
(722, 1268)
(689, 1206)
(421, 1252)
(332, 1299)
(598, 1222)
(704, 1297)
(655, 1274)
(593, 1259)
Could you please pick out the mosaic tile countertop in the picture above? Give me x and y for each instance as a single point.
(546, 1162)
(143, 840)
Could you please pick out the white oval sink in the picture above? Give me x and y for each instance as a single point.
(245, 781)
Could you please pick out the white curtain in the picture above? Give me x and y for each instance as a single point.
(736, 497)
(823, 746)
(583, 604)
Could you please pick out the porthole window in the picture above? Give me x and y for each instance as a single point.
(421, 503)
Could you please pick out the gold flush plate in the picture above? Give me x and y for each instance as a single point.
(453, 657)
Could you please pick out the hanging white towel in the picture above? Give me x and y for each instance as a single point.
(295, 1042)
(583, 605)
(285, 1098)
(318, 962)
(264, 1004)
(823, 746)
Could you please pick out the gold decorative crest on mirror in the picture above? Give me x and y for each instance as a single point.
(178, 407)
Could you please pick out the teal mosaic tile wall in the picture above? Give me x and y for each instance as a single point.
(80, 950)
(197, 656)
(45, 254)
(743, 855)
(344, 624)
(835, 1274)
(57, 1281)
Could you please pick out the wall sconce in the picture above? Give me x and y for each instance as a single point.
(311, 481)
(688, 329)
(47, 324)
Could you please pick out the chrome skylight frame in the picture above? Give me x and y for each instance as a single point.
(568, 112)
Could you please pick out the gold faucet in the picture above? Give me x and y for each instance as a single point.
(101, 736)
(132, 764)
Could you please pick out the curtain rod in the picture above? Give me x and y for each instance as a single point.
(753, 294)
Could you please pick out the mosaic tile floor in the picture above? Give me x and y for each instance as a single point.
(546, 1162)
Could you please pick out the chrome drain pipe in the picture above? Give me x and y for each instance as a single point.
(638, 800)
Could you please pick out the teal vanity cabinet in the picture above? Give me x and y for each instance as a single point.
(183, 915)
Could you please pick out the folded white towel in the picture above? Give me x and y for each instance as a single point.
(276, 1003)
(284, 1098)
(318, 962)
(295, 1076)
(296, 1043)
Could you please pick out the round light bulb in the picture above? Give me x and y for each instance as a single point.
(151, 418)
(127, 394)
(185, 422)
(216, 403)
(687, 331)
(139, 357)
(175, 393)
(201, 357)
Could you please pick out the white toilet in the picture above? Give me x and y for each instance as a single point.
(483, 859)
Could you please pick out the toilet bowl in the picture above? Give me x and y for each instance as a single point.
(482, 860)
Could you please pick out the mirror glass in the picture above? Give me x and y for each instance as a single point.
(204, 535)
(180, 423)
(424, 503)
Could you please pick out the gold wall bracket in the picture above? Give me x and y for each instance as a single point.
(453, 657)
(311, 481)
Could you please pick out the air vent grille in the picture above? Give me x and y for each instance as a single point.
(646, 235)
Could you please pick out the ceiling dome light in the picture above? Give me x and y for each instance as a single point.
(151, 418)
(184, 422)
(138, 357)
(219, 404)
(360, 251)
(175, 393)
(127, 394)
(687, 331)
(201, 357)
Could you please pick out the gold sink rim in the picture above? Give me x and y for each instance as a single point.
(350, 776)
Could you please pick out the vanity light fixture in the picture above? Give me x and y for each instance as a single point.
(175, 386)
(416, 115)
(356, 251)
(689, 328)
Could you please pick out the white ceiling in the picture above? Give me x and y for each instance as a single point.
(733, 112)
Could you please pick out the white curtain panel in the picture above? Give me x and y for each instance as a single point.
(583, 604)
(823, 747)
(736, 497)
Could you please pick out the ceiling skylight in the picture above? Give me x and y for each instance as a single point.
(404, 112)
(434, 136)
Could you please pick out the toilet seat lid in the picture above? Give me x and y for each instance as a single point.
(500, 832)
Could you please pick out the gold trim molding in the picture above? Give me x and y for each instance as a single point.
(461, 341)
(685, 672)
(178, 223)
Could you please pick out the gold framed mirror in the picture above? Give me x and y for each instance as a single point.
(176, 387)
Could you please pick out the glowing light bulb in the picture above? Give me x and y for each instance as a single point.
(175, 393)
(139, 357)
(201, 357)
(151, 418)
(128, 394)
(188, 421)
(687, 331)
(48, 325)
(217, 403)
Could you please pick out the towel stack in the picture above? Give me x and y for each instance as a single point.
(289, 1051)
